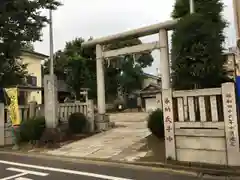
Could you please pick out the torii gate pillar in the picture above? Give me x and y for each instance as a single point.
(164, 56)
(102, 119)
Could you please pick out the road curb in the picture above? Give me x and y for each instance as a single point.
(94, 161)
(190, 170)
(198, 170)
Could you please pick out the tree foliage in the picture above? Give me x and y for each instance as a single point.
(59, 64)
(126, 72)
(79, 70)
(77, 66)
(197, 45)
(20, 23)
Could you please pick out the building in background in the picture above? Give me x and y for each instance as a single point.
(232, 61)
(151, 89)
(150, 79)
(31, 90)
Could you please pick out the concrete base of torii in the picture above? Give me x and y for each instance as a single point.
(102, 122)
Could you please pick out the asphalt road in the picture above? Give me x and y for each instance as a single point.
(15, 167)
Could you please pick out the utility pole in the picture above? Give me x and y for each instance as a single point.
(192, 10)
(50, 85)
(51, 42)
(192, 6)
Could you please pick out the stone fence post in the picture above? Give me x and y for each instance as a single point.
(159, 101)
(32, 109)
(40, 110)
(231, 123)
(90, 115)
(169, 124)
(2, 125)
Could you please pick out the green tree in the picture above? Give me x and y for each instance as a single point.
(80, 71)
(59, 63)
(77, 66)
(20, 22)
(126, 71)
(131, 74)
(197, 45)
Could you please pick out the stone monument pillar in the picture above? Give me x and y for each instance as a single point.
(50, 101)
(32, 109)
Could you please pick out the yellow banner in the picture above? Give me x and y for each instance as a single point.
(13, 108)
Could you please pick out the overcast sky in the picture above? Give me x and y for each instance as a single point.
(85, 18)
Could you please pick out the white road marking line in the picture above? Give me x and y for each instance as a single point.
(22, 178)
(14, 176)
(66, 171)
(28, 172)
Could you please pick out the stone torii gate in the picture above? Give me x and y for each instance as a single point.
(162, 44)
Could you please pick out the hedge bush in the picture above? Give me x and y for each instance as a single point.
(32, 129)
(77, 122)
(50, 138)
(156, 123)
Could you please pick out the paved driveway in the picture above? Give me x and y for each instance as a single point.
(131, 128)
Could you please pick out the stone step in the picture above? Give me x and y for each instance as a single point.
(128, 117)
